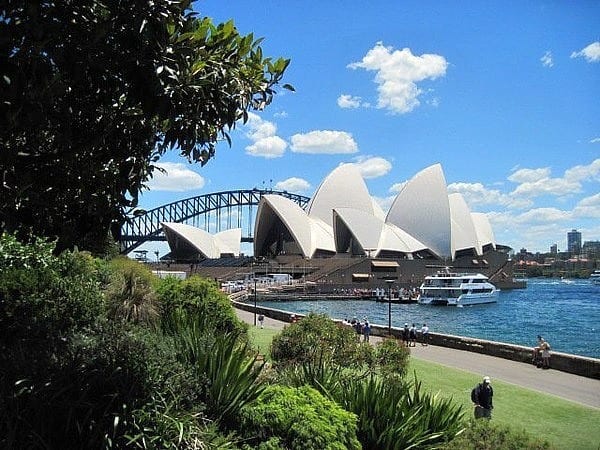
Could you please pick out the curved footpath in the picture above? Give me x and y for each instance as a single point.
(575, 388)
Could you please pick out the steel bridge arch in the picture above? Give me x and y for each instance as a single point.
(146, 227)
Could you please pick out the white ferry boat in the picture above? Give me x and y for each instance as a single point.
(457, 289)
(595, 277)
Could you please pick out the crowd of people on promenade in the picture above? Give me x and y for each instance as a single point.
(409, 335)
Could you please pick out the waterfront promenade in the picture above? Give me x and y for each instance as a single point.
(575, 388)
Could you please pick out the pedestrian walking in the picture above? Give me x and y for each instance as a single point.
(261, 319)
(366, 331)
(481, 396)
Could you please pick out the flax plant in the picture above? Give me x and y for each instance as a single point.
(232, 371)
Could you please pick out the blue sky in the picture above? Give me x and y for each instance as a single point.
(505, 95)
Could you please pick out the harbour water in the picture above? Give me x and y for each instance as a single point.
(565, 312)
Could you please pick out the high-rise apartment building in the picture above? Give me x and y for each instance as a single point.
(554, 249)
(574, 242)
(591, 249)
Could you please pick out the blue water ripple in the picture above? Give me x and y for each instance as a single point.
(565, 312)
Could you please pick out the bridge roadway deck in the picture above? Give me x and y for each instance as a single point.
(578, 389)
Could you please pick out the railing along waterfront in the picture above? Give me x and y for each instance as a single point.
(575, 364)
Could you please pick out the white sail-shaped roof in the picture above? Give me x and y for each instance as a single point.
(342, 216)
(422, 210)
(228, 241)
(294, 218)
(322, 236)
(378, 210)
(187, 238)
(483, 228)
(364, 227)
(394, 239)
(344, 187)
(464, 236)
(372, 233)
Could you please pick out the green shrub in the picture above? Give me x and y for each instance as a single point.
(201, 297)
(226, 362)
(42, 295)
(43, 299)
(160, 424)
(83, 398)
(130, 294)
(397, 415)
(299, 418)
(317, 337)
(392, 358)
(485, 435)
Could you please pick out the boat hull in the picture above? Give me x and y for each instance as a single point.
(463, 300)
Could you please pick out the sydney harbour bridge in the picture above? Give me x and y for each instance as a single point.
(213, 213)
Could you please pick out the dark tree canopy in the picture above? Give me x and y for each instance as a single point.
(94, 92)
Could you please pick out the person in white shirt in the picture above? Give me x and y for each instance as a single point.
(424, 334)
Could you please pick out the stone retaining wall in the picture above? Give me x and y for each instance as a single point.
(578, 365)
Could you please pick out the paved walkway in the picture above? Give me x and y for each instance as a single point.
(575, 388)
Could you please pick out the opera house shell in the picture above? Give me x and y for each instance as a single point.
(189, 242)
(423, 222)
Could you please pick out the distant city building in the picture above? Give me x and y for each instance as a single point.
(574, 242)
(591, 249)
(554, 249)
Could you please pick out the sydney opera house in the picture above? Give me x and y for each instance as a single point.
(426, 227)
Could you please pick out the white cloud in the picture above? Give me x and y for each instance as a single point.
(548, 186)
(259, 128)
(542, 224)
(268, 147)
(397, 72)
(282, 114)
(397, 187)
(348, 101)
(266, 143)
(588, 207)
(547, 59)
(543, 215)
(584, 173)
(536, 182)
(591, 53)
(293, 184)
(372, 166)
(595, 140)
(476, 194)
(529, 175)
(435, 102)
(178, 178)
(324, 142)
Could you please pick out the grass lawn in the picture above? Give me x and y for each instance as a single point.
(564, 424)
(261, 339)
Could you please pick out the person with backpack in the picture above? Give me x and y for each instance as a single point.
(481, 396)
